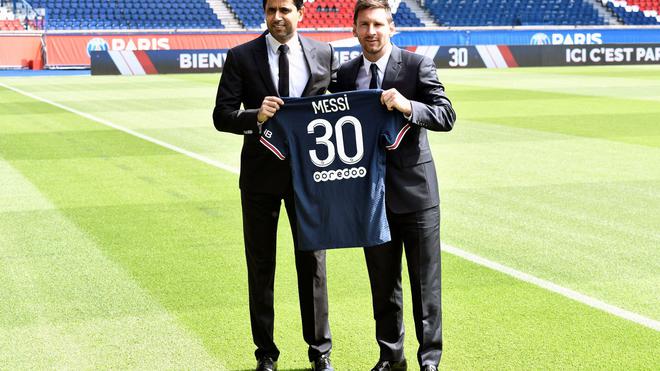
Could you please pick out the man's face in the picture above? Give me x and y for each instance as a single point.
(373, 30)
(282, 19)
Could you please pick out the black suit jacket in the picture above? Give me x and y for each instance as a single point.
(246, 80)
(411, 182)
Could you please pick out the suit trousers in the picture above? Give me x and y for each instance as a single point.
(260, 217)
(418, 233)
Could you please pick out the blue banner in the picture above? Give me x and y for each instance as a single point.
(144, 62)
(582, 36)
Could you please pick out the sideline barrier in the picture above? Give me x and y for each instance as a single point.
(505, 56)
(531, 36)
(479, 56)
(68, 49)
(20, 51)
(74, 50)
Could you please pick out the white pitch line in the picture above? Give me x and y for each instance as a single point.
(571, 294)
(194, 155)
(566, 292)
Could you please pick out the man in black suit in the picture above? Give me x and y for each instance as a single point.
(256, 74)
(410, 85)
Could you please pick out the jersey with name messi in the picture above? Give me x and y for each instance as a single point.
(336, 145)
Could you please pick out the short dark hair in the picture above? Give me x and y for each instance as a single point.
(297, 3)
(372, 4)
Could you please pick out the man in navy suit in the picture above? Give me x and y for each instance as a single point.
(256, 74)
(411, 86)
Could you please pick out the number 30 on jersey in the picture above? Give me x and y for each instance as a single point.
(339, 138)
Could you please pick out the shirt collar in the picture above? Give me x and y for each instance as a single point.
(274, 45)
(381, 63)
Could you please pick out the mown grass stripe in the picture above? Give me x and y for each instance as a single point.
(571, 294)
(64, 304)
(125, 130)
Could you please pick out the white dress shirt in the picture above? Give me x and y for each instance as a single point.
(298, 72)
(364, 74)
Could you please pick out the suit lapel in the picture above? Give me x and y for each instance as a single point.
(261, 61)
(309, 51)
(392, 69)
(353, 70)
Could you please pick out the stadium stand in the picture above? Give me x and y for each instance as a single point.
(8, 20)
(405, 17)
(249, 12)
(13, 25)
(635, 12)
(127, 14)
(198, 14)
(513, 12)
(318, 14)
(645, 4)
(5, 13)
(328, 13)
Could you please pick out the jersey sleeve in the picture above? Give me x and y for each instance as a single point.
(393, 130)
(273, 137)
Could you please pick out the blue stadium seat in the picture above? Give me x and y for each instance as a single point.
(632, 17)
(513, 12)
(127, 14)
(404, 17)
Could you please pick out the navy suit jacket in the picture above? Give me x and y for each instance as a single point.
(411, 182)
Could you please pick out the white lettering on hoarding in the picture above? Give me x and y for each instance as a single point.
(216, 59)
(141, 44)
(201, 60)
(576, 55)
(648, 54)
(612, 55)
(185, 61)
(459, 57)
(346, 55)
(577, 39)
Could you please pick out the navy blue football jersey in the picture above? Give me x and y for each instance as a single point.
(337, 146)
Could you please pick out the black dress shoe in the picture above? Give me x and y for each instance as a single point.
(429, 368)
(266, 364)
(322, 363)
(401, 365)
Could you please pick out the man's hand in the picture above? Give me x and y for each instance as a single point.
(269, 106)
(393, 100)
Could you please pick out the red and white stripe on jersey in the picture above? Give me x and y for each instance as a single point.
(272, 148)
(399, 138)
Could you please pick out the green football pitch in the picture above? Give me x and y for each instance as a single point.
(121, 243)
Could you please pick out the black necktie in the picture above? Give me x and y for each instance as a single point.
(373, 84)
(283, 84)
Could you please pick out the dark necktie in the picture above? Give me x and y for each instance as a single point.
(373, 84)
(283, 84)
